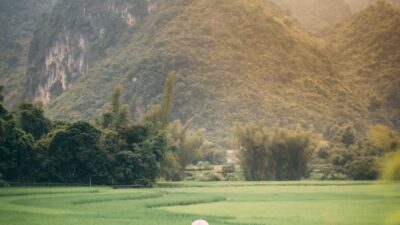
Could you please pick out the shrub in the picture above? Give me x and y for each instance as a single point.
(209, 176)
(323, 153)
(231, 177)
(392, 168)
(273, 155)
(364, 168)
(228, 168)
(384, 138)
(204, 165)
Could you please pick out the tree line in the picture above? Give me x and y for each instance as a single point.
(114, 149)
(283, 154)
(124, 149)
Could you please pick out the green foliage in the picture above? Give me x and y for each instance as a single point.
(135, 152)
(31, 119)
(188, 142)
(220, 77)
(361, 161)
(273, 155)
(75, 155)
(228, 168)
(3, 183)
(211, 153)
(139, 164)
(166, 106)
(384, 138)
(171, 169)
(118, 115)
(118, 153)
(152, 117)
(15, 149)
(346, 135)
(208, 176)
(365, 46)
(363, 168)
(391, 170)
(159, 116)
(201, 165)
(224, 75)
(139, 106)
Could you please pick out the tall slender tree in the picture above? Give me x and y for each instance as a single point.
(1, 93)
(168, 99)
(139, 106)
(159, 116)
(118, 114)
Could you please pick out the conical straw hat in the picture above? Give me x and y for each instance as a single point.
(200, 222)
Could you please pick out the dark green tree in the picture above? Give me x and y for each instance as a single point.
(74, 155)
(31, 119)
(15, 149)
(140, 164)
(346, 136)
(363, 168)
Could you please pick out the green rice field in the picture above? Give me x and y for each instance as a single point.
(273, 203)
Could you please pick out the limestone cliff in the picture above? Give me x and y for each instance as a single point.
(73, 36)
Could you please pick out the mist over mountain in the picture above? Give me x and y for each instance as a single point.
(235, 60)
(358, 5)
(316, 14)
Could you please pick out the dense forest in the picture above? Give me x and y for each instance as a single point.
(121, 149)
(299, 89)
(114, 149)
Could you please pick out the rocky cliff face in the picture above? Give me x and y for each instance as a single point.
(18, 19)
(78, 37)
(66, 60)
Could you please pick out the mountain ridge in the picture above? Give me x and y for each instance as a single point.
(234, 61)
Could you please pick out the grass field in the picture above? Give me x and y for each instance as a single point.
(283, 203)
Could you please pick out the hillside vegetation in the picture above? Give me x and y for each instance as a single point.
(367, 54)
(234, 61)
(18, 19)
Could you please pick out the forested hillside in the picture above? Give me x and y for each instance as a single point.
(234, 60)
(18, 20)
(284, 62)
(367, 53)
